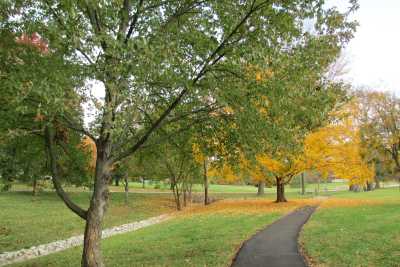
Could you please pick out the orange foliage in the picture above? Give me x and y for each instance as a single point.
(336, 202)
(34, 40)
(250, 206)
(89, 146)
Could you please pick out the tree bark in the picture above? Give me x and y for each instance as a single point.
(177, 196)
(184, 197)
(206, 200)
(369, 186)
(260, 189)
(143, 183)
(377, 183)
(190, 193)
(117, 181)
(126, 190)
(303, 186)
(34, 187)
(91, 255)
(280, 191)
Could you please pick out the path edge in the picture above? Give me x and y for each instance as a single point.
(308, 260)
(300, 246)
(233, 258)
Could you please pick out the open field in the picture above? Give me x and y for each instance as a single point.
(355, 229)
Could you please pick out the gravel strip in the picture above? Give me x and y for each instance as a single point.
(60, 245)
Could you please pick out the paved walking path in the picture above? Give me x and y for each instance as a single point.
(276, 245)
(56, 246)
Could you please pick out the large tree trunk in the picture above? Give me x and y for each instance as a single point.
(303, 186)
(280, 191)
(91, 256)
(206, 199)
(261, 187)
(117, 181)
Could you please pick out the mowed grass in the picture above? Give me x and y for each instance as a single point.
(26, 220)
(355, 229)
(217, 188)
(202, 236)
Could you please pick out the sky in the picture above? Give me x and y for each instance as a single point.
(373, 56)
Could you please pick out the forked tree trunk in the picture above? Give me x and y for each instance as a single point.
(91, 256)
(280, 191)
(206, 200)
(261, 187)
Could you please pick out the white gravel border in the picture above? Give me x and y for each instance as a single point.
(60, 245)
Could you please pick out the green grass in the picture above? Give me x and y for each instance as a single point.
(216, 188)
(27, 220)
(198, 240)
(366, 235)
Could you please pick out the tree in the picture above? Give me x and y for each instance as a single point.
(336, 150)
(155, 61)
(378, 117)
(282, 170)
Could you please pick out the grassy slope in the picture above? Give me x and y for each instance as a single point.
(197, 240)
(363, 235)
(28, 220)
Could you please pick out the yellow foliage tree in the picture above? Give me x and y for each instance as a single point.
(336, 150)
(282, 168)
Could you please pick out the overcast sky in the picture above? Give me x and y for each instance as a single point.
(374, 53)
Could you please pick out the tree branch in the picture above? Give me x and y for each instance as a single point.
(213, 58)
(134, 21)
(56, 179)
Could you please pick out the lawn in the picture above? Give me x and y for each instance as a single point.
(28, 220)
(355, 229)
(207, 236)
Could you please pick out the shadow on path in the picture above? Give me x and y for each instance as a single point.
(276, 245)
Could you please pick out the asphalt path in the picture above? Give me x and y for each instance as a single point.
(276, 245)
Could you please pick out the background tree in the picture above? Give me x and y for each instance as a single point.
(378, 117)
(336, 150)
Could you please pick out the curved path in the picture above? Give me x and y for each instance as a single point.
(276, 245)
